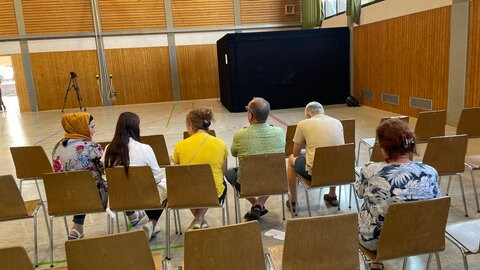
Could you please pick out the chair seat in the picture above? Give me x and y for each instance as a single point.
(473, 160)
(31, 206)
(305, 181)
(467, 234)
(368, 141)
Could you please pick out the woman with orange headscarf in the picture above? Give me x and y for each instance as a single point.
(76, 151)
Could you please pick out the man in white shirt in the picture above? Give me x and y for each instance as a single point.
(318, 130)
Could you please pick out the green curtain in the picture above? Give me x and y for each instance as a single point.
(312, 13)
(354, 9)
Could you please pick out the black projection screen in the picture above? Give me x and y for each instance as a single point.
(288, 68)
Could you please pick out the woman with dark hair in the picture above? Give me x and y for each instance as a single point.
(202, 148)
(126, 150)
(394, 180)
(75, 152)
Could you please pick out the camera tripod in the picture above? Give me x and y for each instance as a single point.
(73, 85)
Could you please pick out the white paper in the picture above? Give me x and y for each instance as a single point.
(275, 234)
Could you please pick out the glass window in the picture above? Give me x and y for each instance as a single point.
(334, 7)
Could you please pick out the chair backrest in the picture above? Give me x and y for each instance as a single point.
(446, 154)
(30, 161)
(191, 186)
(11, 201)
(469, 122)
(310, 243)
(263, 174)
(119, 251)
(15, 258)
(377, 155)
(430, 124)
(333, 165)
(422, 232)
(233, 247)
(210, 131)
(157, 142)
(137, 190)
(70, 193)
(104, 144)
(289, 139)
(348, 130)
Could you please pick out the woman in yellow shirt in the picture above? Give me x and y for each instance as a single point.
(202, 148)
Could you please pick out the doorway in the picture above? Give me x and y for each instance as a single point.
(7, 86)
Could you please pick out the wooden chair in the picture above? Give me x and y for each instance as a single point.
(135, 191)
(348, 130)
(332, 166)
(12, 207)
(31, 163)
(310, 244)
(465, 235)
(423, 232)
(157, 142)
(447, 155)
(104, 144)
(262, 175)
(289, 139)
(233, 247)
(70, 193)
(369, 142)
(190, 187)
(430, 124)
(469, 124)
(210, 131)
(15, 258)
(129, 250)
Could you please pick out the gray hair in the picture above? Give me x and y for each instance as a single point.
(314, 108)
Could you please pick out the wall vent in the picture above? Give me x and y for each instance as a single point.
(421, 103)
(390, 99)
(366, 94)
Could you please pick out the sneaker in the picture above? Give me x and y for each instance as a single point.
(294, 206)
(254, 213)
(136, 218)
(148, 229)
(194, 225)
(330, 200)
(204, 224)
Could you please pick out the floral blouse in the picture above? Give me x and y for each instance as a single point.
(382, 184)
(78, 154)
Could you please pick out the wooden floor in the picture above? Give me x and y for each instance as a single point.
(43, 128)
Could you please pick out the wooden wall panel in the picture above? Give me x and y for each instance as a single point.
(198, 72)
(202, 13)
(132, 14)
(473, 66)
(140, 75)
(8, 22)
(57, 16)
(20, 83)
(51, 77)
(406, 56)
(269, 11)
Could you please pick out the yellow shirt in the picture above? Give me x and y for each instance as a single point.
(212, 151)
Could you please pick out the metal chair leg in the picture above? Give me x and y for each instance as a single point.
(358, 154)
(308, 203)
(350, 197)
(66, 224)
(41, 201)
(405, 263)
(35, 237)
(118, 222)
(283, 206)
(463, 194)
(237, 208)
(126, 221)
(356, 198)
(448, 184)
(437, 257)
(51, 242)
(167, 233)
(474, 186)
(227, 209)
(429, 260)
(339, 196)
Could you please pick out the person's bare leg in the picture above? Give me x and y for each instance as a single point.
(331, 192)
(252, 200)
(292, 178)
(261, 201)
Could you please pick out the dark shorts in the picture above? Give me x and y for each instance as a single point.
(300, 164)
(232, 178)
(224, 194)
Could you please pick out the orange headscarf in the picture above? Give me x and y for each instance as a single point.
(76, 125)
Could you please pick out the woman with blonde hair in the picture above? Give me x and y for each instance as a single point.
(202, 148)
(77, 151)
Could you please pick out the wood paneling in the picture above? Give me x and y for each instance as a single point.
(405, 56)
(51, 77)
(473, 73)
(198, 72)
(269, 11)
(8, 22)
(120, 15)
(202, 13)
(20, 83)
(57, 16)
(140, 75)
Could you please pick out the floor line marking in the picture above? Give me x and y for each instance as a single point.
(278, 120)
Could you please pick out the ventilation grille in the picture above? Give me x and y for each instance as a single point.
(366, 94)
(421, 103)
(390, 99)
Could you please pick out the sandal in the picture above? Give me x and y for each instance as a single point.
(375, 266)
(75, 234)
(331, 200)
